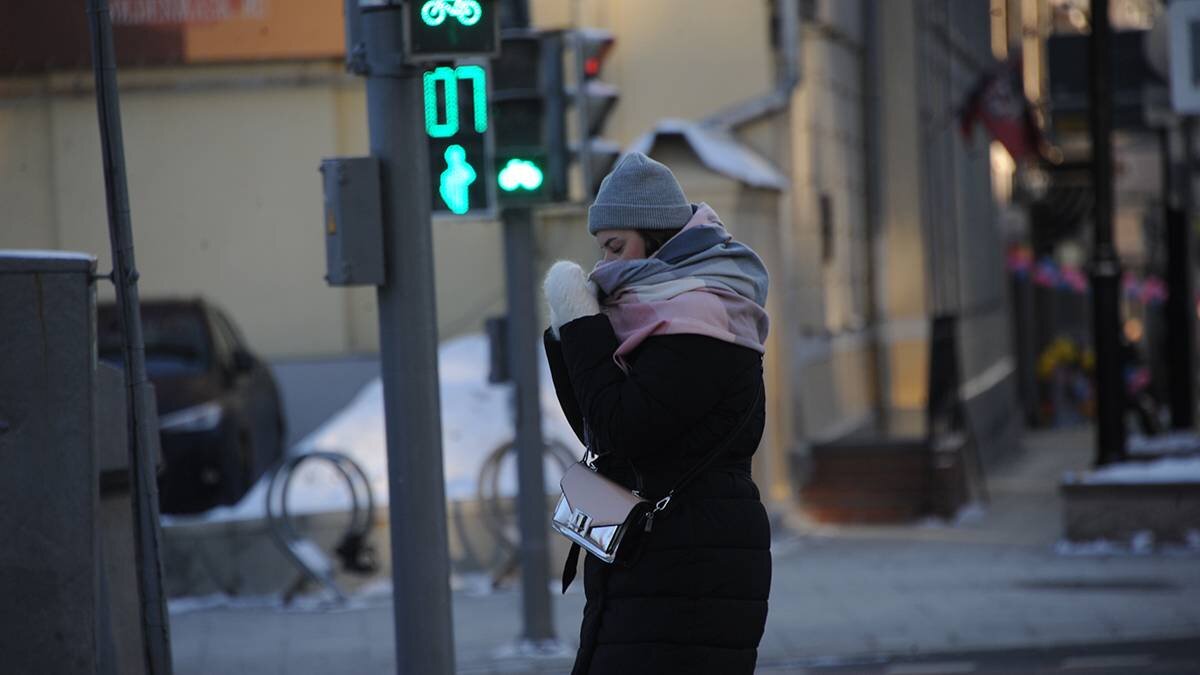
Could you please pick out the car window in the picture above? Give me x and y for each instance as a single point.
(224, 346)
(176, 338)
(225, 327)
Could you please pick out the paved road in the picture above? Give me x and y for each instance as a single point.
(1163, 657)
(994, 582)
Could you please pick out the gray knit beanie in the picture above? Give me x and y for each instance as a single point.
(639, 194)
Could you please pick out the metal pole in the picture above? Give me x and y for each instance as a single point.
(1105, 265)
(1180, 312)
(408, 353)
(519, 254)
(523, 335)
(141, 422)
(1183, 413)
(518, 14)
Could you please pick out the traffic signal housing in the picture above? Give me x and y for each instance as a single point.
(594, 103)
(448, 29)
(458, 127)
(528, 105)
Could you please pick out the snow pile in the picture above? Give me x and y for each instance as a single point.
(1159, 471)
(1141, 542)
(1173, 443)
(46, 255)
(476, 419)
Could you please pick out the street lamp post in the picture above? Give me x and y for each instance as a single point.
(1105, 265)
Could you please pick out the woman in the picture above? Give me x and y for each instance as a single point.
(658, 356)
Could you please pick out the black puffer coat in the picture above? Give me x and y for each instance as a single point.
(695, 601)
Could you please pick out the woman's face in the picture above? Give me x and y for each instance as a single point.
(620, 245)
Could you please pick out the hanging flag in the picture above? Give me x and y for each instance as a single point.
(1154, 290)
(1045, 273)
(1020, 260)
(1074, 279)
(999, 103)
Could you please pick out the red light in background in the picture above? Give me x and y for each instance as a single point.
(591, 67)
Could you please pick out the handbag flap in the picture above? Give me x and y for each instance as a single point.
(604, 501)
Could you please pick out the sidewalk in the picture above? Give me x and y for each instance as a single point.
(995, 581)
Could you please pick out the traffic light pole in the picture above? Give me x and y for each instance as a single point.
(519, 253)
(534, 550)
(408, 351)
(1105, 265)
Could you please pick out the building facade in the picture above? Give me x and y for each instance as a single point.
(824, 132)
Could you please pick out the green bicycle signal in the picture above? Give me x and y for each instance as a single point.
(520, 174)
(435, 12)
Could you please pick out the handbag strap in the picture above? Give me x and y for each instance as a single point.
(711, 457)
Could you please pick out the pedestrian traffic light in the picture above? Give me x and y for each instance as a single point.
(528, 107)
(457, 125)
(594, 101)
(447, 29)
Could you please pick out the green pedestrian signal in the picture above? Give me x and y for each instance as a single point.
(520, 174)
(455, 184)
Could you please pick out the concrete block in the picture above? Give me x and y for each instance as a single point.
(1169, 511)
(241, 558)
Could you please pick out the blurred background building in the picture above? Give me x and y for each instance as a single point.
(826, 133)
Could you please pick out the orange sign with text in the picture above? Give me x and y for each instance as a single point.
(53, 34)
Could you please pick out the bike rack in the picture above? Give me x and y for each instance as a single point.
(507, 556)
(314, 564)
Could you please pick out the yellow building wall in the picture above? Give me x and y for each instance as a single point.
(27, 205)
(225, 200)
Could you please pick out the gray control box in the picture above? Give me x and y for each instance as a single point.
(353, 221)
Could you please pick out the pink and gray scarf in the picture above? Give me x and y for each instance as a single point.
(700, 282)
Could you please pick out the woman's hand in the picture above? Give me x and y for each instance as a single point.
(570, 295)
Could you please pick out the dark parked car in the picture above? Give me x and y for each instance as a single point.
(220, 417)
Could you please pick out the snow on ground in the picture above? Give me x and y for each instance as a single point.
(1164, 470)
(1172, 443)
(476, 419)
(46, 255)
(1140, 543)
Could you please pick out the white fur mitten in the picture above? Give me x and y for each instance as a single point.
(569, 293)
